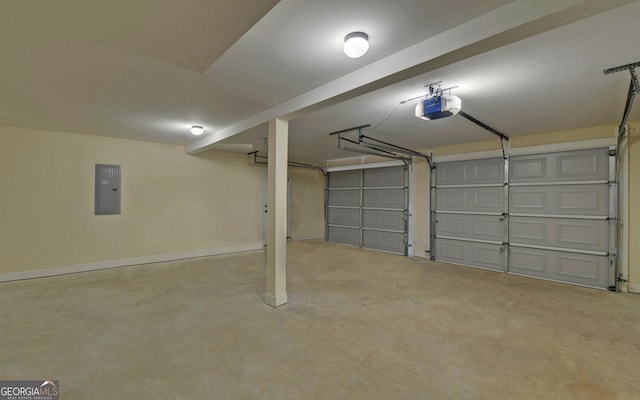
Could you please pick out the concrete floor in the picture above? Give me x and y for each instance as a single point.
(359, 325)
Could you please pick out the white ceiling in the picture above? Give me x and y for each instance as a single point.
(147, 70)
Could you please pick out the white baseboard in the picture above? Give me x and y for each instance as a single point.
(275, 301)
(634, 287)
(125, 262)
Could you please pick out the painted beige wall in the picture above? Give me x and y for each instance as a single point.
(306, 203)
(171, 202)
(420, 213)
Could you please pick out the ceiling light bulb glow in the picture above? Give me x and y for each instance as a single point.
(356, 44)
(197, 130)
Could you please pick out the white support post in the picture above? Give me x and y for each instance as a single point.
(276, 294)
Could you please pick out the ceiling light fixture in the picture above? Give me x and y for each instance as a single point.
(197, 130)
(356, 44)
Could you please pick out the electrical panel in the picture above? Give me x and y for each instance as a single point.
(107, 194)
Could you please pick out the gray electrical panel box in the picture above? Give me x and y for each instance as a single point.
(107, 198)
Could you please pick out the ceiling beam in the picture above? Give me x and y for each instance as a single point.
(508, 24)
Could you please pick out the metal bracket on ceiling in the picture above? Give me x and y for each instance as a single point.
(622, 68)
(380, 144)
(264, 160)
(435, 90)
(634, 80)
(355, 128)
(375, 147)
(377, 154)
(634, 89)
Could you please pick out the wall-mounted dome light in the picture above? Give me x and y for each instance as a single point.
(197, 130)
(356, 44)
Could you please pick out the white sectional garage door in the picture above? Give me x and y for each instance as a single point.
(550, 218)
(559, 216)
(369, 208)
(469, 218)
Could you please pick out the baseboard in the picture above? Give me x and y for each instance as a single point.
(125, 262)
(275, 301)
(634, 287)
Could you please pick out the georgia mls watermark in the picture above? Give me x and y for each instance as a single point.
(29, 390)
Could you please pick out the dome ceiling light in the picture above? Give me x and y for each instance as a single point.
(197, 130)
(356, 44)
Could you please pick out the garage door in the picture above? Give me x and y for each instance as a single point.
(559, 216)
(369, 208)
(550, 218)
(469, 216)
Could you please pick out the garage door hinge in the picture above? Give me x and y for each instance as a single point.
(612, 152)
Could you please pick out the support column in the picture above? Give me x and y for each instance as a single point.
(276, 294)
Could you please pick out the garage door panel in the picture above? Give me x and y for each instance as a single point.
(588, 200)
(489, 255)
(526, 200)
(587, 235)
(386, 241)
(344, 179)
(489, 228)
(478, 199)
(451, 250)
(383, 219)
(384, 177)
(487, 199)
(528, 261)
(479, 227)
(560, 232)
(453, 173)
(529, 230)
(347, 197)
(580, 267)
(452, 225)
(344, 216)
(526, 169)
(582, 165)
(384, 198)
(594, 200)
(484, 255)
(450, 200)
(473, 172)
(584, 269)
(488, 171)
(350, 236)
